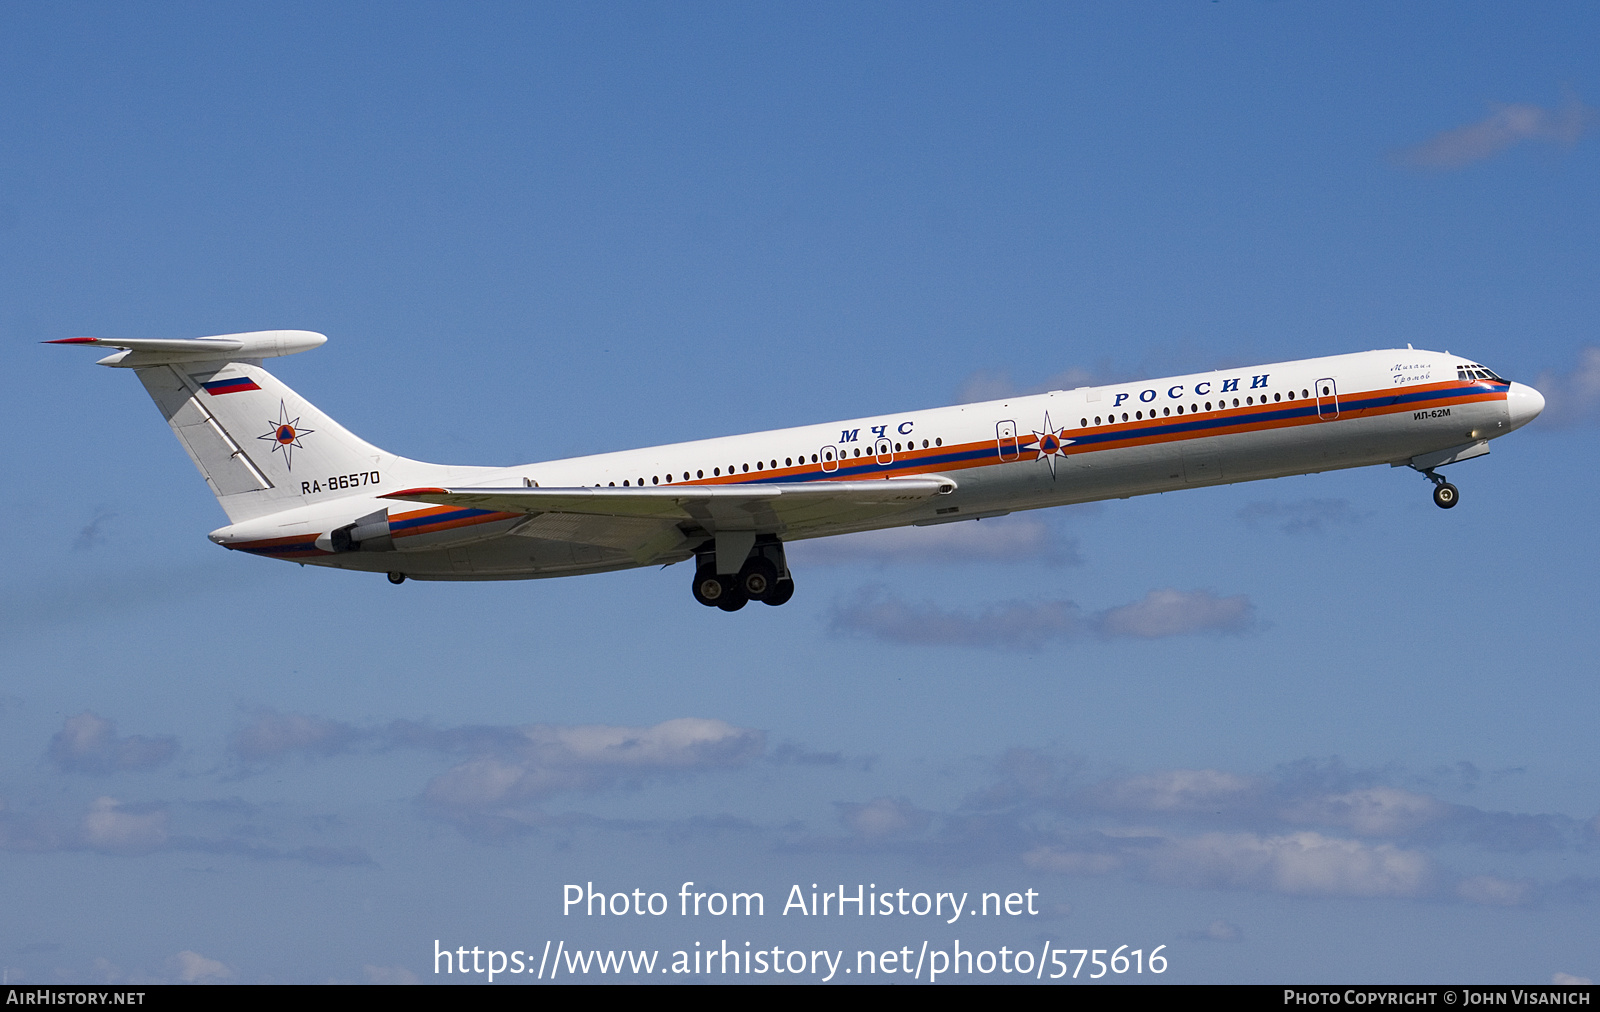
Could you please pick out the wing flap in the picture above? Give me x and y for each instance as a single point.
(624, 533)
(763, 507)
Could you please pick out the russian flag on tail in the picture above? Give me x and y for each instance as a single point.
(238, 384)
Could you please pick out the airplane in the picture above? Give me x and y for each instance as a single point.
(297, 486)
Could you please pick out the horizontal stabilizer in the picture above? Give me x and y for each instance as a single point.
(138, 352)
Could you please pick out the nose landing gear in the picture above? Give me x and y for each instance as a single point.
(1445, 495)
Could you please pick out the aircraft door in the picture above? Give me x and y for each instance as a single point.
(830, 458)
(884, 451)
(1005, 438)
(1327, 399)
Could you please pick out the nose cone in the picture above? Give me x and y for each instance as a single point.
(1524, 404)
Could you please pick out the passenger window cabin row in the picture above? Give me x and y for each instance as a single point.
(820, 458)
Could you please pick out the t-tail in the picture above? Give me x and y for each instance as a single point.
(257, 443)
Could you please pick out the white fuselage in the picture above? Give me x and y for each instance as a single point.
(1050, 449)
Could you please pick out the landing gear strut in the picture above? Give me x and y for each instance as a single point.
(764, 577)
(1445, 495)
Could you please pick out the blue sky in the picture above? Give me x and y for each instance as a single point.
(1313, 729)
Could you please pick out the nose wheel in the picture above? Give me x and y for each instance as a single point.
(1445, 495)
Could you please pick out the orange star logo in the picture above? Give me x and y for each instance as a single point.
(284, 434)
(1050, 443)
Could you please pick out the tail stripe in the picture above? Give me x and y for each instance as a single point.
(236, 385)
(297, 546)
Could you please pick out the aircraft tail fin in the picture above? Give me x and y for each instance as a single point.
(258, 444)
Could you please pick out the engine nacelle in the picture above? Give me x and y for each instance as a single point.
(366, 534)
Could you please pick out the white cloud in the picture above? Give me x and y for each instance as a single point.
(547, 759)
(1223, 931)
(1013, 624)
(1071, 862)
(1497, 892)
(674, 744)
(1374, 811)
(985, 385)
(389, 975)
(1302, 864)
(1212, 829)
(110, 826)
(81, 736)
(1175, 791)
(1169, 612)
(272, 735)
(1506, 126)
(1217, 931)
(1297, 863)
(1567, 978)
(1028, 625)
(988, 385)
(1573, 396)
(88, 743)
(488, 781)
(884, 818)
(194, 968)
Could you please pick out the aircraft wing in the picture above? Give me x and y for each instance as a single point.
(648, 521)
(785, 503)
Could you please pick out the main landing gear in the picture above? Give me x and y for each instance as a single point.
(1445, 495)
(764, 577)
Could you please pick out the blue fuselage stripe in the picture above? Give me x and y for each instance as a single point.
(1308, 409)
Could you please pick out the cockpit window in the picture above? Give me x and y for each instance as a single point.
(1475, 371)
